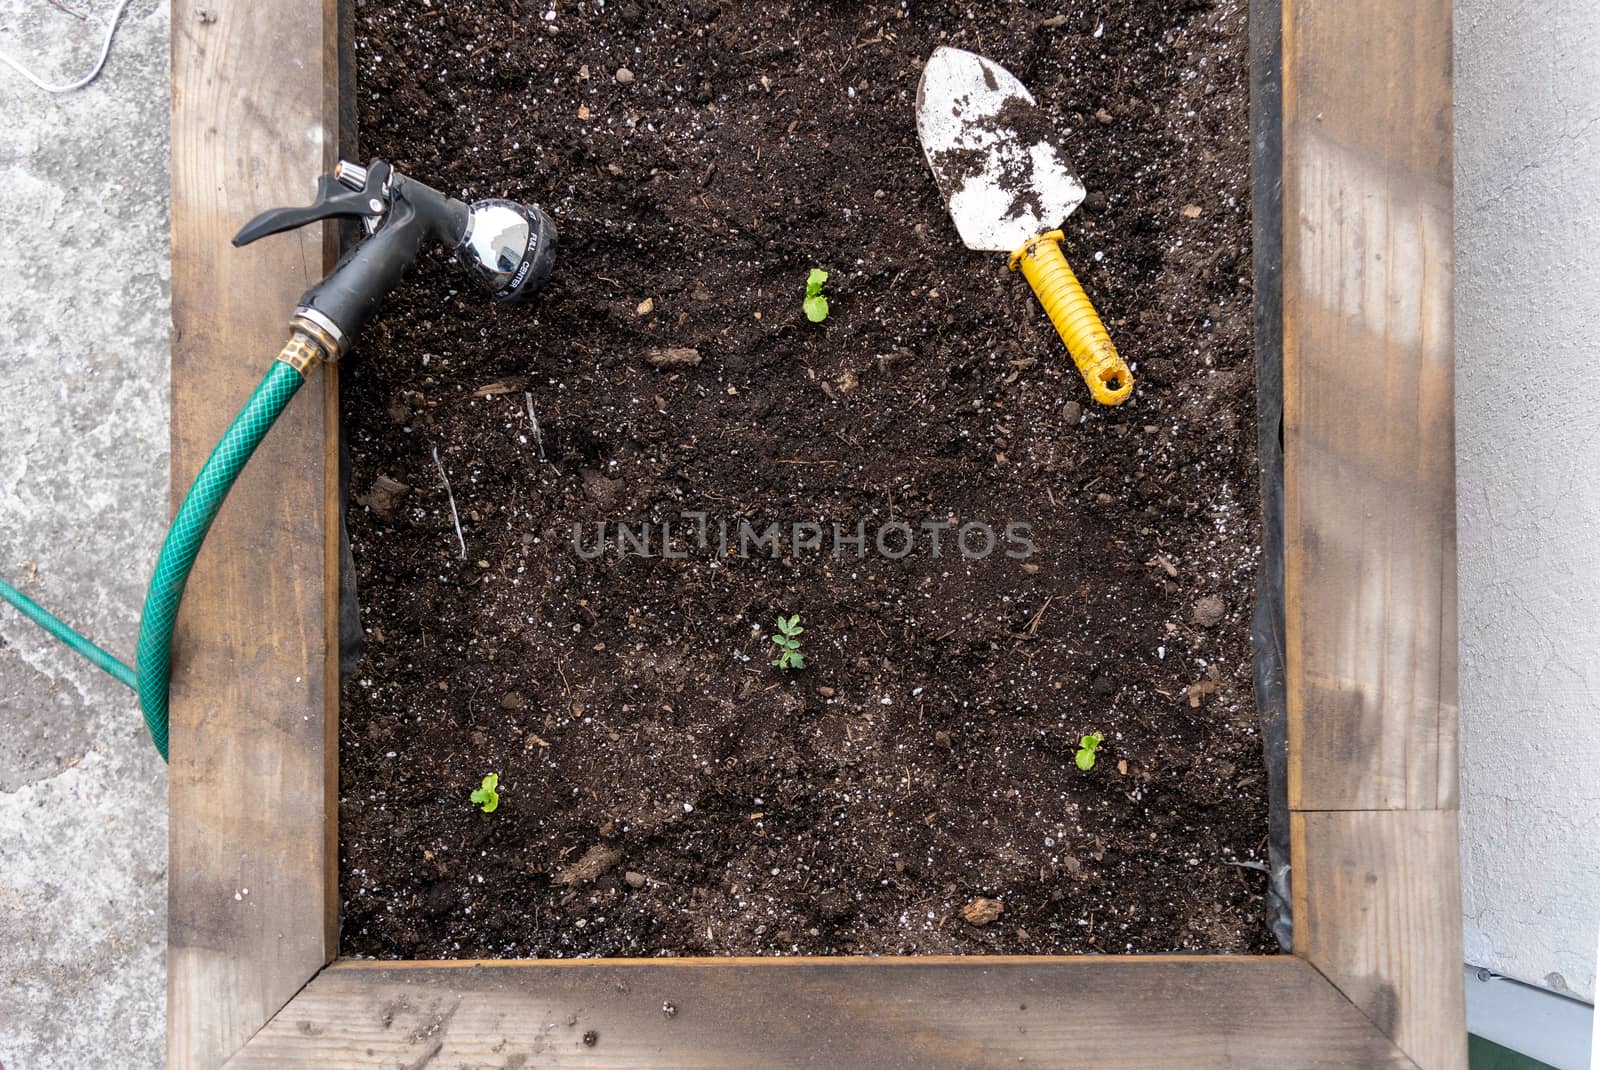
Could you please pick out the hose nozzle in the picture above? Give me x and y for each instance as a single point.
(510, 248)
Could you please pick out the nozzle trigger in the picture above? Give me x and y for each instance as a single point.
(334, 200)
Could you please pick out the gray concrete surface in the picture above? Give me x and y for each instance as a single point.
(84, 328)
(1528, 479)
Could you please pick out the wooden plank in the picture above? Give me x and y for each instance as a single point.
(1369, 469)
(886, 1014)
(1377, 909)
(252, 900)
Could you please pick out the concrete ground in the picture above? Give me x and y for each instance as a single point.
(84, 329)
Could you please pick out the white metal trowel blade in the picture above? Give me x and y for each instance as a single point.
(992, 151)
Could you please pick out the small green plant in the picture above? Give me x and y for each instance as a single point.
(788, 643)
(1086, 748)
(486, 796)
(816, 305)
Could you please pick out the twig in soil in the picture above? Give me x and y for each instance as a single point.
(1033, 625)
(1160, 561)
(538, 435)
(455, 517)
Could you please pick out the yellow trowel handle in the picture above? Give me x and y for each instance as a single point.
(1075, 318)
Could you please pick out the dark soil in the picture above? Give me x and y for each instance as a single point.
(663, 788)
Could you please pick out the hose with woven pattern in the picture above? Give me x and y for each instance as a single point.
(182, 545)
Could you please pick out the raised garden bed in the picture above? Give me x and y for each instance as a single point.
(1368, 599)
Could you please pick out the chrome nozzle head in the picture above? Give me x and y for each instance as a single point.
(509, 247)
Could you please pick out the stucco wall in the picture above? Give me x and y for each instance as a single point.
(1528, 481)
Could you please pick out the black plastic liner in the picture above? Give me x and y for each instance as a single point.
(1267, 627)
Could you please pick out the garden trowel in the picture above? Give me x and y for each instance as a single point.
(1008, 185)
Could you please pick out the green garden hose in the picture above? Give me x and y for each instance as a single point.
(183, 543)
(37, 613)
(508, 247)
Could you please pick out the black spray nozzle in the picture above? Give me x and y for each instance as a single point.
(509, 247)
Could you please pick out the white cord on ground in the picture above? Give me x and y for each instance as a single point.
(67, 87)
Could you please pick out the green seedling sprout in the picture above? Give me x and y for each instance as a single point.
(1086, 748)
(788, 643)
(816, 305)
(486, 796)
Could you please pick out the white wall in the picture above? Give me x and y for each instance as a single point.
(1528, 482)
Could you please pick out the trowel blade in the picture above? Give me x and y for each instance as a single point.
(992, 151)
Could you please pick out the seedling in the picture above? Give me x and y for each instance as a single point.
(816, 305)
(788, 643)
(486, 796)
(1086, 748)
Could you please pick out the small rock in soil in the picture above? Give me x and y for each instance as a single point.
(595, 861)
(1071, 413)
(598, 489)
(634, 879)
(385, 495)
(676, 356)
(512, 700)
(440, 899)
(833, 905)
(1209, 610)
(981, 911)
(647, 306)
(624, 76)
(901, 354)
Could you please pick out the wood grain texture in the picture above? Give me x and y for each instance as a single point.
(883, 1014)
(252, 900)
(1369, 468)
(1377, 909)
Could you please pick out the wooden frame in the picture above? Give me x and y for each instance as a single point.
(1369, 637)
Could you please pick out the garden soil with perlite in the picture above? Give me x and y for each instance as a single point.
(663, 788)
